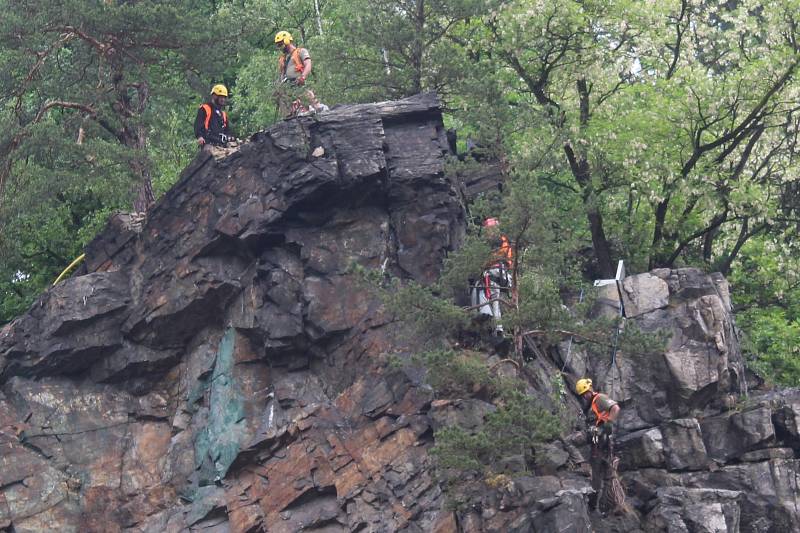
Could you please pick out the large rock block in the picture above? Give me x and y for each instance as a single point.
(786, 416)
(768, 492)
(567, 511)
(69, 328)
(699, 366)
(644, 293)
(468, 414)
(731, 434)
(641, 449)
(681, 510)
(683, 445)
(224, 369)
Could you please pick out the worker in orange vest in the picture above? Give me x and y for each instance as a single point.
(211, 125)
(604, 412)
(294, 64)
(294, 68)
(495, 280)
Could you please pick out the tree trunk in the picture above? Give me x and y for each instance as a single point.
(658, 233)
(319, 16)
(602, 250)
(416, 54)
(136, 139)
(144, 194)
(582, 174)
(134, 135)
(141, 169)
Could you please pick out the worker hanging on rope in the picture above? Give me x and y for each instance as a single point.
(293, 97)
(495, 282)
(609, 494)
(211, 125)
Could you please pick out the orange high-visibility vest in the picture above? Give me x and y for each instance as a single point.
(602, 417)
(505, 251)
(207, 109)
(298, 65)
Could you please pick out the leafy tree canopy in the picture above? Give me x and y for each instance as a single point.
(664, 133)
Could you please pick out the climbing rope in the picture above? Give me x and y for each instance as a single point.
(69, 267)
(616, 335)
(569, 347)
(611, 493)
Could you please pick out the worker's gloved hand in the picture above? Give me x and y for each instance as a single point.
(607, 429)
(301, 81)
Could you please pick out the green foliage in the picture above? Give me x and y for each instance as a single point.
(432, 317)
(767, 300)
(774, 342)
(674, 147)
(465, 264)
(518, 425)
(658, 132)
(540, 306)
(96, 104)
(456, 374)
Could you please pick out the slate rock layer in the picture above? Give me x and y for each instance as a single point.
(223, 369)
(226, 368)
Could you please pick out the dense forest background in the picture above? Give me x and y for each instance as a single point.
(663, 133)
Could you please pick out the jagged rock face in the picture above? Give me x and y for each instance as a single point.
(221, 370)
(697, 454)
(701, 367)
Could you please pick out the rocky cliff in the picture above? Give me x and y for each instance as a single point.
(222, 369)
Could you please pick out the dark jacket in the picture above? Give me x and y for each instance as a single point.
(210, 127)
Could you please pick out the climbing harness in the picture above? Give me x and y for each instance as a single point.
(283, 64)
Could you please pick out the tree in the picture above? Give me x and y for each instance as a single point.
(674, 120)
(768, 307)
(97, 107)
(89, 70)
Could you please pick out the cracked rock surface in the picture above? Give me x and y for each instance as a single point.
(224, 369)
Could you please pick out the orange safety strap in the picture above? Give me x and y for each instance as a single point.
(602, 417)
(506, 251)
(207, 109)
(486, 286)
(298, 65)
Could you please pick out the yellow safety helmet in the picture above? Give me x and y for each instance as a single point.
(283, 37)
(583, 385)
(219, 90)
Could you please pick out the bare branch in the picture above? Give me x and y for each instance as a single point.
(746, 123)
(680, 30)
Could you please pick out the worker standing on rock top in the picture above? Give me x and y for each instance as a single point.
(211, 125)
(294, 68)
(608, 490)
